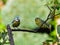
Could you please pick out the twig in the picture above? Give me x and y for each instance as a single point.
(47, 16)
(46, 19)
(51, 14)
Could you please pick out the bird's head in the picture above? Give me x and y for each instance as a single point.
(16, 18)
(37, 20)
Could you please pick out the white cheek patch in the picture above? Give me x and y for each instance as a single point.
(16, 20)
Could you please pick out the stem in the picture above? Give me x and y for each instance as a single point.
(46, 19)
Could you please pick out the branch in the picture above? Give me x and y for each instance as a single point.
(10, 35)
(32, 31)
(49, 8)
(51, 14)
(37, 30)
(46, 19)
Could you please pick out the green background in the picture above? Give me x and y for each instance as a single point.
(27, 10)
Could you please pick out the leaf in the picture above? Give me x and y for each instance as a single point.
(2, 27)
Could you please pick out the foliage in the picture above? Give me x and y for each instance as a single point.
(4, 1)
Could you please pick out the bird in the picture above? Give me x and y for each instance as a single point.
(16, 22)
(39, 22)
(50, 30)
(44, 29)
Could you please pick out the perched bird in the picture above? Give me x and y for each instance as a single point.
(16, 22)
(39, 22)
(44, 29)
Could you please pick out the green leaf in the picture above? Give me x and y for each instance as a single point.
(2, 27)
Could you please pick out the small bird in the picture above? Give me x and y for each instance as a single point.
(42, 29)
(39, 22)
(16, 22)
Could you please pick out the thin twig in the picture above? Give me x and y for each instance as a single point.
(36, 30)
(49, 8)
(46, 19)
(47, 16)
(32, 31)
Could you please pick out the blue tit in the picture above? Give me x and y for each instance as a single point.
(16, 22)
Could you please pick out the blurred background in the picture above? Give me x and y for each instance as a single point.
(27, 10)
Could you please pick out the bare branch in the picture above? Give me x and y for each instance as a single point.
(10, 35)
